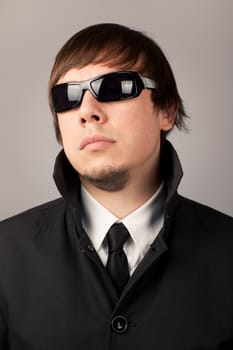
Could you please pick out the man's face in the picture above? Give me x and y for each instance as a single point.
(111, 143)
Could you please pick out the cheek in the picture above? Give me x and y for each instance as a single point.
(144, 127)
(141, 118)
(142, 140)
(67, 128)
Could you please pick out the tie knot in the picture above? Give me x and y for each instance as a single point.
(117, 236)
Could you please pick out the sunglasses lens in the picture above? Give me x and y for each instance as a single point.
(66, 96)
(115, 86)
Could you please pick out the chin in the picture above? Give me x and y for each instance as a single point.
(108, 179)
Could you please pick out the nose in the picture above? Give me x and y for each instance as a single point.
(91, 110)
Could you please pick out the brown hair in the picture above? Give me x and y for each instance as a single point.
(120, 46)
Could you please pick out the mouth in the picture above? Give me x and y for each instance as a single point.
(95, 142)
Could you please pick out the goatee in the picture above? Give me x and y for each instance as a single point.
(108, 179)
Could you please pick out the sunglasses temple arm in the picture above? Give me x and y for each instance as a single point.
(149, 83)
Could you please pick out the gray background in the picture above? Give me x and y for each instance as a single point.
(196, 36)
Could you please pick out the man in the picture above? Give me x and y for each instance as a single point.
(121, 261)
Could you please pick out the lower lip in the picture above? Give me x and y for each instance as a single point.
(98, 145)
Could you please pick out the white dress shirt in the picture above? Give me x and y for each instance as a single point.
(143, 224)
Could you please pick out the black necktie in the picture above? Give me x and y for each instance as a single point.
(117, 264)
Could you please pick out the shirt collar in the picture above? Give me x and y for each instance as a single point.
(143, 224)
(96, 219)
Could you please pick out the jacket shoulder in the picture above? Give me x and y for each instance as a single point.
(30, 219)
(206, 216)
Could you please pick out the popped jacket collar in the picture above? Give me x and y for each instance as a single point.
(68, 182)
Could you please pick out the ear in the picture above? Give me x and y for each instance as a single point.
(167, 119)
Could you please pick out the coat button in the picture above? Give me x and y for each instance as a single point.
(90, 248)
(119, 324)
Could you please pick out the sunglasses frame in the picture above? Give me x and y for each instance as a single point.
(141, 83)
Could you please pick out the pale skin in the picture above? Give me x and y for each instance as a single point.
(131, 140)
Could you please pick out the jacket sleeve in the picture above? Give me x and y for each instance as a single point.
(3, 334)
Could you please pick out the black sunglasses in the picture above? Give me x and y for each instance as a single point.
(114, 86)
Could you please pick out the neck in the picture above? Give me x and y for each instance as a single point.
(121, 203)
